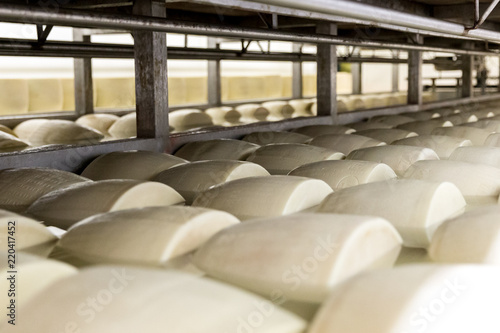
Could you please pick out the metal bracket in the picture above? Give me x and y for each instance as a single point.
(42, 33)
(479, 20)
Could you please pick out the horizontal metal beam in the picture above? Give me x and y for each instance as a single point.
(76, 18)
(361, 26)
(362, 11)
(71, 158)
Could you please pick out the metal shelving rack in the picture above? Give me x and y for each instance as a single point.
(410, 26)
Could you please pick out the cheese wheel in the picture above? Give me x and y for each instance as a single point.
(425, 127)
(192, 178)
(342, 174)
(415, 298)
(267, 137)
(372, 102)
(10, 142)
(345, 143)
(269, 196)
(281, 158)
(134, 300)
(487, 124)
(482, 155)
(473, 237)
(14, 96)
(387, 135)
(355, 103)
(34, 275)
(252, 112)
(493, 140)
(27, 235)
(63, 208)
(399, 158)
(392, 120)
(442, 145)
(481, 114)
(7, 130)
(416, 208)
(140, 165)
(315, 130)
(45, 95)
(421, 115)
(477, 136)
(279, 110)
(125, 127)
(40, 132)
(186, 119)
(327, 250)
(479, 184)
(99, 121)
(460, 118)
(221, 149)
(146, 236)
(224, 115)
(115, 92)
(302, 107)
(314, 109)
(366, 125)
(21, 187)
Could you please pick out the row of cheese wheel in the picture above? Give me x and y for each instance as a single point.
(302, 244)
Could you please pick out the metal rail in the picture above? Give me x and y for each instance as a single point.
(371, 13)
(77, 18)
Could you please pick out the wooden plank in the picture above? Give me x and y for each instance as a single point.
(151, 76)
(84, 90)
(327, 73)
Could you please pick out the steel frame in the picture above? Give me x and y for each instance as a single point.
(150, 54)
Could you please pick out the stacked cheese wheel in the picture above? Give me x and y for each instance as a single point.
(371, 227)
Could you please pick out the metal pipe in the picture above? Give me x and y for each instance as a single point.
(377, 14)
(284, 11)
(27, 14)
(488, 11)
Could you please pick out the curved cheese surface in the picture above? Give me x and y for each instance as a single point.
(315, 130)
(148, 236)
(195, 305)
(21, 187)
(140, 165)
(29, 235)
(125, 127)
(342, 174)
(442, 145)
(98, 121)
(477, 136)
(415, 298)
(65, 207)
(473, 237)
(269, 196)
(479, 184)
(326, 249)
(345, 143)
(399, 158)
(268, 137)
(425, 127)
(195, 177)
(222, 149)
(386, 135)
(415, 207)
(481, 155)
(281, 158)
